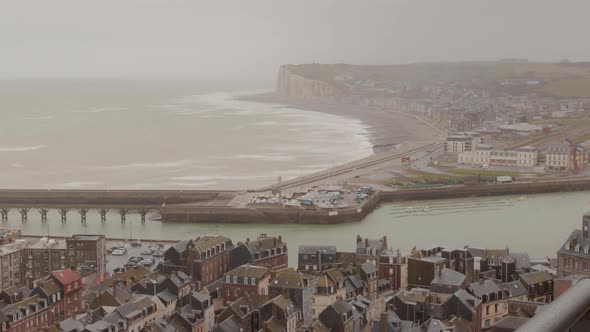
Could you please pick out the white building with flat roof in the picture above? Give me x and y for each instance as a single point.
(461, 142)
(486, 155)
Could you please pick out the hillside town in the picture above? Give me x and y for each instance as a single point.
(213, 284)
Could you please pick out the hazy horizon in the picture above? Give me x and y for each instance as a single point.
(229, 39)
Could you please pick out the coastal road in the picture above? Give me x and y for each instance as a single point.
(359, 166)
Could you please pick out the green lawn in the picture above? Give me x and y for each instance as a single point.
(478, 172)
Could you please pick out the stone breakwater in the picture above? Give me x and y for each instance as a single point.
(187, 214)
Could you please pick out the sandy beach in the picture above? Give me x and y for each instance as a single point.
(386, 128)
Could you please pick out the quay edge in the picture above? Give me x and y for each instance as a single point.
(229, 215)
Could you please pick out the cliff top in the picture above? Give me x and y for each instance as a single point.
(559, 79)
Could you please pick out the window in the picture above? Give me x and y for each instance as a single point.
(245, 280)
(586, 249)
(235, 279)
(236, 292)
(567, 246)
(577, 247)
(253, 281)
(227, 292)
(227, 279)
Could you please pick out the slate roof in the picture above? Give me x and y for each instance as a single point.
(263, 244)
(231, 324)
(341, 307)
(70, 325)
(576, 236)
(207, 242)
(468, 300)
(369, 268)
(522, 260)
(49, 286)
(484, 287)
(535, 277)
(448, 277)
(516, 288)
(288, 280)
(312, 250)
(167, 296)
(247, 270)
(509, 323)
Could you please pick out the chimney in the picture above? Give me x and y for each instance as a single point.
(586, 227)
(280, 239)
(358, 239)
(247, 240)
(399, 257)
(481, 281)
(366, 242)
(275, 241)
(383, 322)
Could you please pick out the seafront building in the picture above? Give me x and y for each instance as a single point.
(462, 141)
(487, 155)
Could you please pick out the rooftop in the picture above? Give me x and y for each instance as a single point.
(87, 237)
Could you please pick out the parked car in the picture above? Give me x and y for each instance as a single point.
(135, 244)
(146, 262)
(134, 259)
(158, 254)
(118, 252)
(110, 250)
(119, 270)
(130, 265)
(119, 245)
(147, 252)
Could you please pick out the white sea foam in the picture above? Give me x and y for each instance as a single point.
(22, 148)
(77, 184)
(100, 110)
(168, 164)
(191, 184)
(261, 157)
(210, 178)
(40, 118)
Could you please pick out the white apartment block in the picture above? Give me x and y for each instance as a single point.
(486, 155)
(462, 141)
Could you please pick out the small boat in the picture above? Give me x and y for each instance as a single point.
(522, 198)
(426, 209)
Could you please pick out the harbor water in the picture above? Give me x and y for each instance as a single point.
(537, 224)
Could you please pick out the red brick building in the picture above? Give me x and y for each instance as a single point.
(393, 268)
(55, 298)
(269, 252)
(246, 279)
(63, 292)
(71, 285)
(210, 258)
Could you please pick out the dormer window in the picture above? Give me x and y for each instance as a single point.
(227, 279)
(577, 248)
(235, 279)
(567, 246)
(253, 281)
(586, 249)
(245, 280)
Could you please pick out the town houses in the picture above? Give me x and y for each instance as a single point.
(374, 287)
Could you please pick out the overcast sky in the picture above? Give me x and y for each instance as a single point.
(249, 39)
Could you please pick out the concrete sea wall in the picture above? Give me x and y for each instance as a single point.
(187, 214)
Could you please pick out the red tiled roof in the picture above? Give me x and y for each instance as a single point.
(66, 276)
